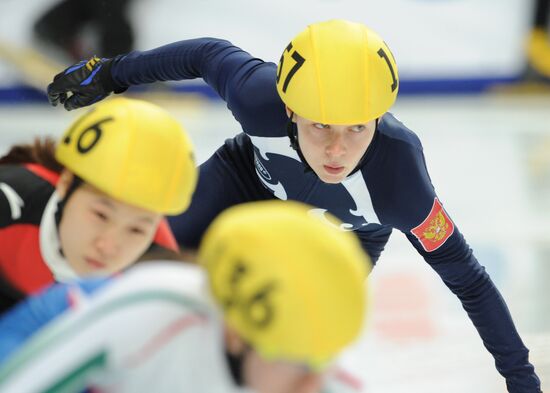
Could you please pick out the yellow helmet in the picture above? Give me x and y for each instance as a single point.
(338, 72)
(292, 285)
(135, 152)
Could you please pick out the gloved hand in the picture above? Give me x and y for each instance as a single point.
(88, 81)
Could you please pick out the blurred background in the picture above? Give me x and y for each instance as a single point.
(474, 87)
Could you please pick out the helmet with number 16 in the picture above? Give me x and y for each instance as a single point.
(134, 152)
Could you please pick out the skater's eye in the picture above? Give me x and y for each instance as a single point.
(137, 231)
(100, 215)
(358, 128)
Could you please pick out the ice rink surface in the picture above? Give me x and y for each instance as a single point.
(489, 159)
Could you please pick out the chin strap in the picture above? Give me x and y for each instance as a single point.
(235, 363)
(77, 182)
(292, 131)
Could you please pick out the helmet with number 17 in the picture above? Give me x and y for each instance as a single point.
(338, 72)
(290, 284)
(133, 151)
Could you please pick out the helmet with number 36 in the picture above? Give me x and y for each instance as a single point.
(338, 72)
(133, 151)
(289, 283)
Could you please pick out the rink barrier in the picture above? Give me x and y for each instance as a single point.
(20, 94)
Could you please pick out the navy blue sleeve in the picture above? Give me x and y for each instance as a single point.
(246, 83)
(29, 316)
(455, 263)
(415, 210)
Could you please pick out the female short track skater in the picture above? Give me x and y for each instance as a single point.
(92, 203)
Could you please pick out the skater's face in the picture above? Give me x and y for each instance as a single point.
(100, 235)
(333, 151)
(271, 376)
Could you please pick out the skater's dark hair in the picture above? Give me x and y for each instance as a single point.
(41, 151)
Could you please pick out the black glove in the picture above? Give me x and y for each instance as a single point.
(88, 81)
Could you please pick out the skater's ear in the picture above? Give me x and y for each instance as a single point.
(290, 113)
(65, 180)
